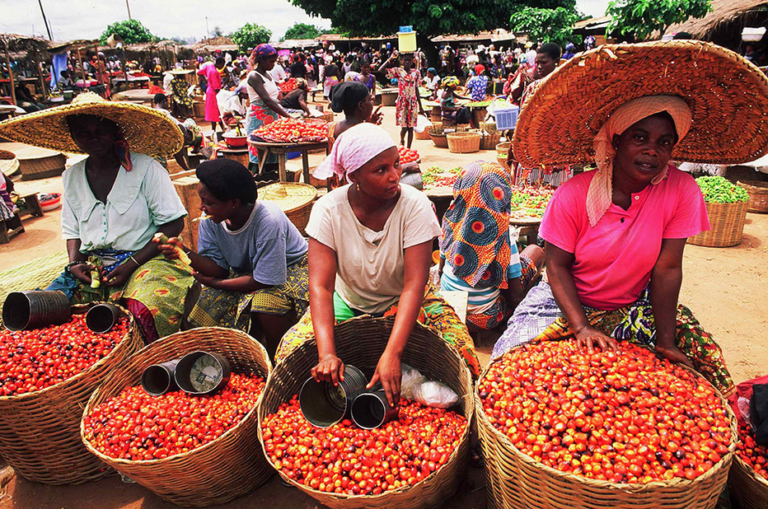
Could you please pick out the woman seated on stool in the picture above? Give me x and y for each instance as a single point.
(371, 244)
(251, 259)
(450, 112)
(476, 254)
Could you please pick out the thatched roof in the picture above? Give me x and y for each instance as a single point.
(22, 43)
(724, 12)
(211, 45)
(81, 44)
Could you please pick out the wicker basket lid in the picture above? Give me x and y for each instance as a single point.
(727, 95)
(5, 155)
(289, 196)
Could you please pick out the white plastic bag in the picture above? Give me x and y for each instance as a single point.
(409, 380)
(435, 394)
(422, 123)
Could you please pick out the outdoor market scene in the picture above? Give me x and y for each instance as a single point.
(489, 254)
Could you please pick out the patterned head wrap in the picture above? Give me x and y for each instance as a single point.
(600, 193)
(475, 238)
(450, 81)
(479, 69)
(263, 51)
(355, 147)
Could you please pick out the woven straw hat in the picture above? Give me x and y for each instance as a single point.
(147, 131)
(288, 195)
(727, 95)
(4, 154)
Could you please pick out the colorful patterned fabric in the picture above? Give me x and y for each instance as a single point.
(220, 308)
(352, 149)
(180, 92)
(435, 313)
(154, 294)
(407, 105)
(476, 225)
(478, 85)
(450, 81)
(539, 318)
(495, 315)
(259, 114)
(263, 51)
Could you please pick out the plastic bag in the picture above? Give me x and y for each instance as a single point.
(435, 394)
(422, 123)
(409, 380)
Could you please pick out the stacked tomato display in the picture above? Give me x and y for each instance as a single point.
(289, 130)
(32, 360)
(625, 417)
(345, 459)
(136, 426)
(407, 155)
(753, 454)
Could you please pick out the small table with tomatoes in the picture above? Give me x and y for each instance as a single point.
(281, 149)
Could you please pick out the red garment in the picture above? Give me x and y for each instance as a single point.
(213, 78)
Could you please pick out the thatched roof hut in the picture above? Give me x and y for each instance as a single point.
(211, 45)
(22, 46)
(724, 24)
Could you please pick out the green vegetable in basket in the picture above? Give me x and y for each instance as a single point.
(721, 190)
(96, 263)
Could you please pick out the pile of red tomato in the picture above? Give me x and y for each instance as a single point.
(407, 155)
(626, 417)
(289, 130)
(753, 455)
(136, 426)
(345, 459)
(35, 359)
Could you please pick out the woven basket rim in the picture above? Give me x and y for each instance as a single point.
(175, 457)
(678, 75)
(758, 186)
(627, 487)
(309, 196)
(751, 471)
(464, 134)
(81, 309)
(470, 410)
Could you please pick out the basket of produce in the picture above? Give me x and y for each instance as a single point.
(408, 156)
(293, 198)
(385, 472)
(488, 141)
(502, 153)
(438, 136)
(49, 201)
(435, 176)
(489, 127)
(727, 210)
(190, 450)
(758, 195)
(749, 472)
(529, 203)
(464, 142)
(564, 428)
(40, 417)
(436, 114)
(423, 135)
(290, 130)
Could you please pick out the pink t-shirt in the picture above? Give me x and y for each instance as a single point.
(613, 260)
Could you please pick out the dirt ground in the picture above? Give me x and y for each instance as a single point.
(723, 287)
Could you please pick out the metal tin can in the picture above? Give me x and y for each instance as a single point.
(372, 409)
(202, 373)
(324, 404)
(35, 309)
(158, 379)
(102, 317)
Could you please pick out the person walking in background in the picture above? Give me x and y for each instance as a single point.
(211, 74)
(408, 105)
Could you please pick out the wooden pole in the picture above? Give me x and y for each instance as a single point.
(10, 73)
(82, 69)
(40, 73)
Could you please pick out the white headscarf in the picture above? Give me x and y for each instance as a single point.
(355, 147)
(600, 193)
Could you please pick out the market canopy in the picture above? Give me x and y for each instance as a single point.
(213, 44)
(297, 44)
(725, 22)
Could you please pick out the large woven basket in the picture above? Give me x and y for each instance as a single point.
(502, 153)
(464, 142)
(42, 167)
(727, 222)
(198, 109)
(360, 342)
(294, 198)
(220, 471)
(423, 135)
(758, 195)
(489, 140)
(515, 480)
(749, 488)
(436, 114)
(438, 137)
(388, 99)
(40, 431)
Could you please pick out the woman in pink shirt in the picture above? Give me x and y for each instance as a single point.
(615, 236)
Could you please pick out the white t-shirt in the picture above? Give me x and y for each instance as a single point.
(370, 265)
(278, 73)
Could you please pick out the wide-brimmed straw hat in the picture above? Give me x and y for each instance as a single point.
(147, 131)
(727, 95)
(179, 72)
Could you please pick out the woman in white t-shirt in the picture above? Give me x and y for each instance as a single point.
(370, 245)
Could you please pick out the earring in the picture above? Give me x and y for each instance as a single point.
(358, 187)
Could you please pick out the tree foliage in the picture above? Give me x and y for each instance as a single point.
(304, 31)
(251, 35)
(641, 18)
(546, 25)
(132, 31)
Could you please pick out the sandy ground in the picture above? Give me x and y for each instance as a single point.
(723, 287)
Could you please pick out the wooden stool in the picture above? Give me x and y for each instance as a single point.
(10, 228)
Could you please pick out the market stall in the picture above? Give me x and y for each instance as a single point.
(287, 136)
(26, 48)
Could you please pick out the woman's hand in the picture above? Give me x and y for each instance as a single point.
(388, 371)
(82, 272)
(121, 275)
(376, 117)
(329, 369)
(169, 249)
(589, 335)
(673, 354)
(205, 280)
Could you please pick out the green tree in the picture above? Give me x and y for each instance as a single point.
(303, 31)
(546, 25)
(132, 31)
(217, 32)
(641, 18)
(251, 35)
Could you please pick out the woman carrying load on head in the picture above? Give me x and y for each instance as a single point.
(370, 243)
(115, 200)
(615, 236)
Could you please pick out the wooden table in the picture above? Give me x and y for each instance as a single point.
(281, 149)
(236, 154)
(529, 226)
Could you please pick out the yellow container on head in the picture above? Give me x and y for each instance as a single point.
(406, 42)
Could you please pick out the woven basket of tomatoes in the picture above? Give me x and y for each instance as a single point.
(40, 412)
(189, 450)
(408, 155)
(749, 473)
(290, 130)
(561, 428)
(413, 462)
